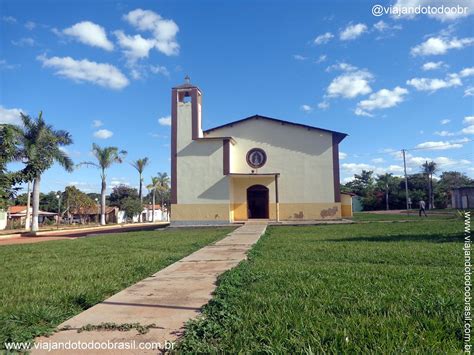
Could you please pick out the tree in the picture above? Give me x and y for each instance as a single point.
(163, 188)
(9, 146)
(386, 183)
(120, 193)
(105, 158)
(132, 207)
(41, 147)
(363, 185)
(448, 181)
(153, 187)
(429, 169)
(49, 202)
(140, 165)
(78, 202)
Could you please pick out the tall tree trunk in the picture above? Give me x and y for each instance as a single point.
(386, 200)
(36, 198)
(102, 202)
(153, 208)
(141, 198)
(28, 206)
(161, 206)
(429, 192)
(432, 192)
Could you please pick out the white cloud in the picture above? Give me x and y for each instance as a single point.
(10, 115)
(352, 32)
(350, 85)
(381, 99)
(118, 181)
(164, 31)
(382, 26)
(24, 42)
(299, 57)
(323, 105)
(5, 65)
(342, 66)
(378, 160)
(102, 74)
(306, 108)
(466, 72)
(394, 169)
(445, 121)
(429, 84)
(342, 155)
(439, 15)
(103, 134)
(440, 45)
(165, 121)
(440, 145)
(415, 162)
(30, 25)
(91, 34)
(321, 58)
(444, 133)
(9, 19)
(432, 65)
(324, 38)
(159, 69)
(135, 47)
(97, 123)
(468, 120)
(469, 91)
(356, 168)
(468, 130)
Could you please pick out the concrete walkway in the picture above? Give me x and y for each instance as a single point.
(167, 299)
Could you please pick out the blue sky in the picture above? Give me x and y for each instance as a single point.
(103, 70)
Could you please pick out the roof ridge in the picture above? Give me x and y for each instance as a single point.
(274, 120)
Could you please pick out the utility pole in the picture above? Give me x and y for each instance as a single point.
(406, 179)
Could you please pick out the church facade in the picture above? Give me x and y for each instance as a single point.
(254, 168)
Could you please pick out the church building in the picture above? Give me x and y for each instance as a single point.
(254, 168)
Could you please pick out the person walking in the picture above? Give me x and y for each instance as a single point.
(422, 208)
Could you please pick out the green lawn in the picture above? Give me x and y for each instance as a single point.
(46, 283)
(372, 287)
(413, 216)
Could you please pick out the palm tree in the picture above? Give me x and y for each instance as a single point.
(429, 169)
(140, 165)
(41, 147)
(163, 187)
(385, 182)
(152, 187)
(105, 156)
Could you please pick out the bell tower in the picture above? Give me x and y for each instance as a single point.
(186, 101)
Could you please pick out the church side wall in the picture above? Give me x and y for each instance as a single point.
(202, 189)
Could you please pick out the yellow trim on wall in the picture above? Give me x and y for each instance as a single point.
(294, 211)
(346, 201)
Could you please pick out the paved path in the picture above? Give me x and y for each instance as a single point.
(167, 299)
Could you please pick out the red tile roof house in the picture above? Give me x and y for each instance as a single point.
(17, 216)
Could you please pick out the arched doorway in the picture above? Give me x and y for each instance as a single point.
(257, 201)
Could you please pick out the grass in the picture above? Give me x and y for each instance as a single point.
(44, 284)
(361, 288)
(413, 216)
